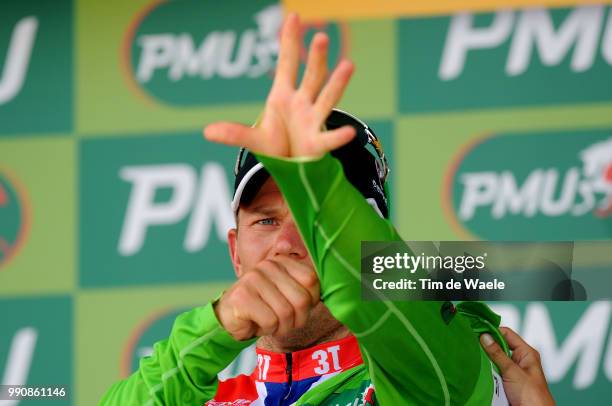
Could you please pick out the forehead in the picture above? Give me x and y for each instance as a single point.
(269, 197)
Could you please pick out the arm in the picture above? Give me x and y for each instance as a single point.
(183, 368)
(412, 354)
(423, 360)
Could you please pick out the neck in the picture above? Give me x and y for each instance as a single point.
(297, 341)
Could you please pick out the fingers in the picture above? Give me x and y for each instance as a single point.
(316, 67)
(288, 58)
(338, 137)
(302, 274)
(514, 340)
(523, 354)
(298, 296)
(523, 384)
(496, 354)
(258, 319)
(334, 88)
(231, 134)
(273, 298)
(255, 306)
(243, 322)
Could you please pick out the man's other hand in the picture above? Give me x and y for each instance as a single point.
(523, 376)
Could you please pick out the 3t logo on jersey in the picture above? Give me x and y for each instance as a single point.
(328, 360)
(194, 52)
(516, 186)
(263, 365)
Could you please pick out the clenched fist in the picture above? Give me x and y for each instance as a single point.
(272, 298)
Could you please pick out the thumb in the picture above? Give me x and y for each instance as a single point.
(231, 134)
(495, 353)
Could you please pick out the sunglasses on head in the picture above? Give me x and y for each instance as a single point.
(365, 137)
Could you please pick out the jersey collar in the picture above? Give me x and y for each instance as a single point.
(323, 359)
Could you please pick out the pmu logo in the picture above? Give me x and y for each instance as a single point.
(529, 57)
(208, 200)
(14, 217)
(19, 359)
(534, 186)
(195, 52)
(531, 32)
(17, 58)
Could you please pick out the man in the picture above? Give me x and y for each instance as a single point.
(306, 354)
(296, 254)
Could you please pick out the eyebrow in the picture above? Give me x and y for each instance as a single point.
(264, 209)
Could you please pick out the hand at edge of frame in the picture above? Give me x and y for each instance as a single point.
(523, 377)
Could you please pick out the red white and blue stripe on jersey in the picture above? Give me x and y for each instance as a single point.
(282, 378)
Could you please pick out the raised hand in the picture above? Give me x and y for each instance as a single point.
(293, 118)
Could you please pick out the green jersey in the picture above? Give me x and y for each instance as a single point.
(413, 353)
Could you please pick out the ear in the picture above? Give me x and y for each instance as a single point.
(232, 239)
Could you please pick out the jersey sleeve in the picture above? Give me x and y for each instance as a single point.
(183, 368)
(414, 356)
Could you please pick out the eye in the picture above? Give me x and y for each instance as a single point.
(269, 221)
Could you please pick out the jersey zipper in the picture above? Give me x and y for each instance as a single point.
(289, 371)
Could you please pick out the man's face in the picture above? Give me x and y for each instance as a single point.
(265, 230)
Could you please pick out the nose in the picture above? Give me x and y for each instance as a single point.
(289, 242)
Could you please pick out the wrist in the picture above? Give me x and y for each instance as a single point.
(218, 309)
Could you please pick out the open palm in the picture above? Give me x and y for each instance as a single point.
(293, 118)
